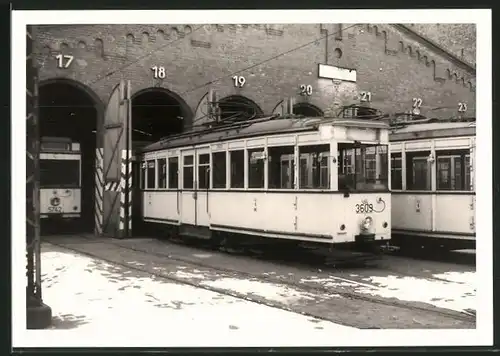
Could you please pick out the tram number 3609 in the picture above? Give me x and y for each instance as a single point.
(363, 208)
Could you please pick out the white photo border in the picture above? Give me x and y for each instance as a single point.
(482, 335)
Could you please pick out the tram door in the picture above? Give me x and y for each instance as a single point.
(195, 187)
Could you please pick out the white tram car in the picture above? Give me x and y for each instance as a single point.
(317, 180)
(433, 184)
(60, 178)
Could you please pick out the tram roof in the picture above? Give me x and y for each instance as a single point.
(270, 125)
(433, 130)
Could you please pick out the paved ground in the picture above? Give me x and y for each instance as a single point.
(91, 298)
(407, 294)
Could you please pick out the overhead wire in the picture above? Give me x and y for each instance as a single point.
(268, 60)
(241, 104)
(151, 52)
(154, 50)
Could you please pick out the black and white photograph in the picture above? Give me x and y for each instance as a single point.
(252, 178)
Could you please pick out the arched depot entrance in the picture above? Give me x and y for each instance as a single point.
(238, 108)
(68, 109)
(307, 110)
(156, 113)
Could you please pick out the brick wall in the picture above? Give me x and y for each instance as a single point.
(459, 39)
(394, 67)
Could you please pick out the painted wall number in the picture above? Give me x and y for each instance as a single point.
(64, 60)
(462, 107)
(158, 72)
(239, 81)
(365, 96)
(417, 103)
(306, 90)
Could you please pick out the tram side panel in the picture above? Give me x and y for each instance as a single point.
(321, 217)
(457, 213)
(412, 211)
(433, 196)
(267, 204)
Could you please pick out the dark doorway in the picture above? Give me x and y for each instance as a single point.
(307, 110)
(239, 108)
(156, 113)
(67, 110)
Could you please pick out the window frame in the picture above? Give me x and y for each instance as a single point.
(202, 152)
(148, 161)
(308, 156)
(292, 162)
(185, 154)
(158, 178)
(173, 156)
(419, 156)
(212, 169)
(230, 183)
(454, 155)
(397, 156)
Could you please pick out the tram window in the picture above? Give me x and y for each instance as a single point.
(162, 173)
(453, 170)
(51, 172)
(173, 172)
(281, 161)
(188, 174)
(314, 167)
(237, 160)
(418, 171)
(204, 171)
(219, 169)
(362, 167)
(468, 182)
(396, 171)
(151, 165)
(143, 175)
(256, 168)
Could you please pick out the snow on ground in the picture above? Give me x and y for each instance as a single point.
(92, 299)
(271, 291)
(468, 278)
(454, 290)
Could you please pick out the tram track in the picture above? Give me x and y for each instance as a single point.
(308, 288)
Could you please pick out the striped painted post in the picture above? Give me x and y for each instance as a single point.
(112, 186)
(129, 201)
(126, 192)
(99, 185)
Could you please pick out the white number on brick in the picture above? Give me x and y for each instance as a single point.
(417, 103)
(462, 107)
(365, 96)
(239, 81)
(306, 90)
(64, 60)
(158, 72)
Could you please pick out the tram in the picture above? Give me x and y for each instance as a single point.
(318, 180)
(433, 183)
(60, 178)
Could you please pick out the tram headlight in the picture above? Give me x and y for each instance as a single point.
(55, 201)
(367, 223)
